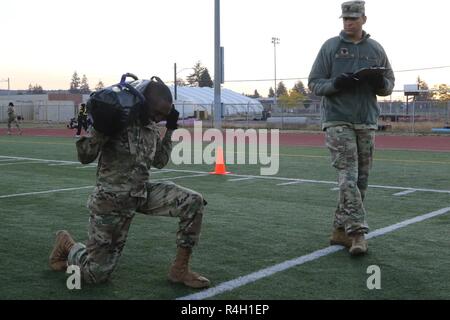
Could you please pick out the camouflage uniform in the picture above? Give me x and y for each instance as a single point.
(12, 118)
(82, 120)
(352, 154)
(123, 189)
(350, 115)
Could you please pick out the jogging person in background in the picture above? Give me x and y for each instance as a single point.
(82, 121)
(12, 118)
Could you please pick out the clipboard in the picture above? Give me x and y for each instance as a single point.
(366, 73)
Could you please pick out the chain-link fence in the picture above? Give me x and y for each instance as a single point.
(411, 116)
(233, 115)
(398, 116)
(41, 111)
(415, 116)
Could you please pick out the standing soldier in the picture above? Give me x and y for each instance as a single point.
(350, 114)
(82, 121)
(123, 188)
(12, 118)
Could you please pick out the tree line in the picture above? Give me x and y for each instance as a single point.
(78, 85)
(438, 92)
(200, 77)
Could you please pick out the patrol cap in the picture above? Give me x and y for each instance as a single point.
(353, 9)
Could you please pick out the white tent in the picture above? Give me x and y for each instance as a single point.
(190, 99)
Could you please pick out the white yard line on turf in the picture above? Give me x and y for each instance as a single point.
(240, 179)
(404, 193)
(263, 177)
(289, 183)
(79, 188)
(297, 181)
(43, 192)
(34, 159)
(180, 177)
(21, 162)
(264, 273)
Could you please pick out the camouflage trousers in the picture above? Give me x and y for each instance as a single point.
(110, 218)
(352, 154)
(11, 120)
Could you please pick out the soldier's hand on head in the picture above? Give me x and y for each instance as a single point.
(172, 119)
(345, 81)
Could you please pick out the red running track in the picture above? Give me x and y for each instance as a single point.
(424, 143)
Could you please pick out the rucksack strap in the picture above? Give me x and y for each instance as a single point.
(132, 89)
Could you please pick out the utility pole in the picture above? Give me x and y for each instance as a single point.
(175, 80)
(275, 41)
(217, 68)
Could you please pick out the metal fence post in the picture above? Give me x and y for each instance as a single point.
(320, 113)
(248, 110)
(213, 111)
(183, 113)
(448, 111)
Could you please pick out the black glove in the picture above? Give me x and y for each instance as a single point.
(345, 81)
(377, 81)
(172, 119)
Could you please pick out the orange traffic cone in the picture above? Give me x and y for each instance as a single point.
(220, 164)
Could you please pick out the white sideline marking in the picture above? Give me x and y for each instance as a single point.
(240, 179)
(79, 188)
(259, 177)
(404, 193)
(318, 181)
(158, 172)
(252, 277)
(43, 192)
(34, 159)
(382, 231)
(335, 189)
(289, 183)
(20, 162)
(181, 177)
(8, 159)
(60, 164)
(87, 166)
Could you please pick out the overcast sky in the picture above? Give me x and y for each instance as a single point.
(44, 42)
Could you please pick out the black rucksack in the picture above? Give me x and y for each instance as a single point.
(110, 109)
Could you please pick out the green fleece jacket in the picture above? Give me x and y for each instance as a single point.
(357, 107)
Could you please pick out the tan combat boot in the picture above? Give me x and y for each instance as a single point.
(180, 273)
(339, 237)
(58, 258)
(359, 244)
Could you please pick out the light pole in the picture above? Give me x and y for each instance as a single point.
(175, 80)
(175, 73)
(275, 41)
(217, 68)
